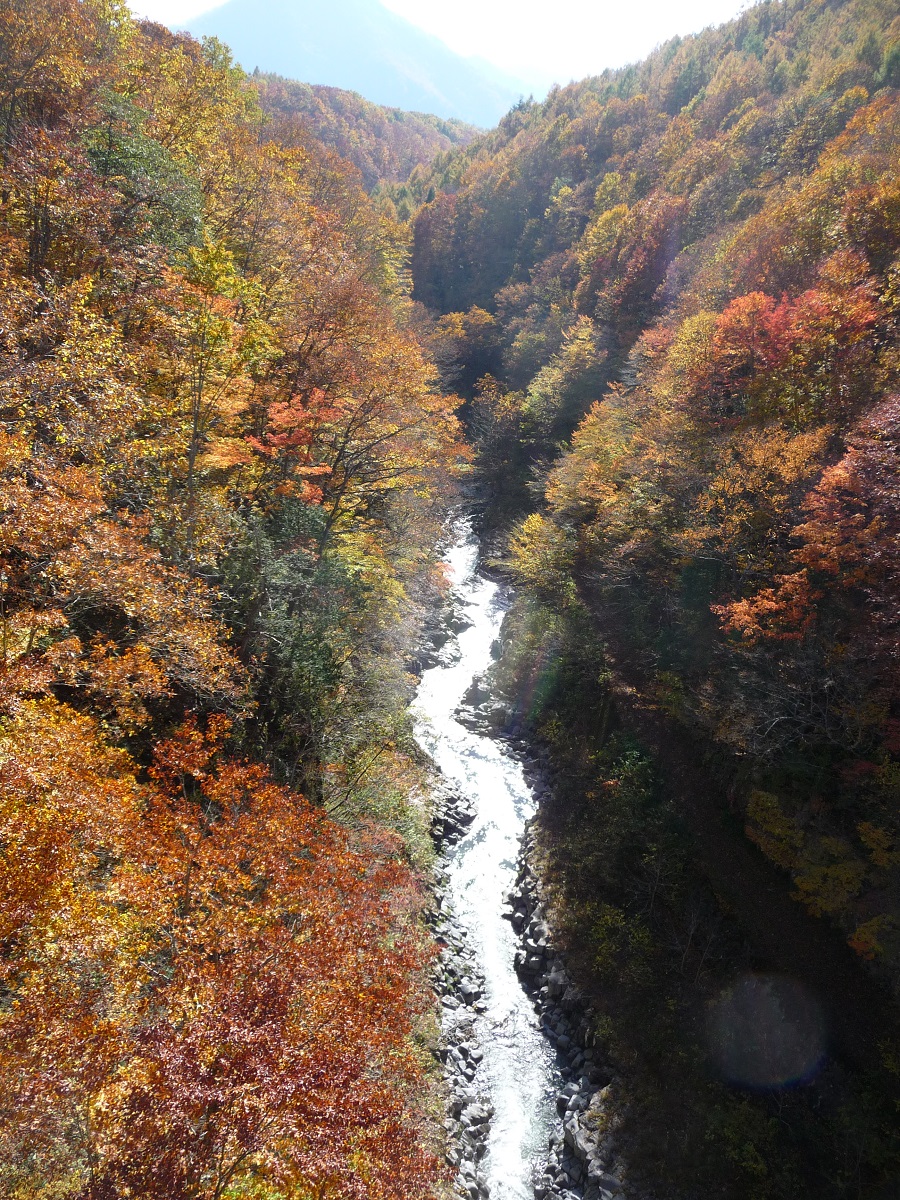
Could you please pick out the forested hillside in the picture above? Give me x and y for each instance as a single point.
(386, 144)
(669, 298)
(670, 295)
(223, 472)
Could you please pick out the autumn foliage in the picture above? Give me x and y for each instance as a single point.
(670, 295)
(208, 983)
(222, 466)
(715, 230)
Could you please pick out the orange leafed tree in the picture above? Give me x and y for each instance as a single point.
(208, 987)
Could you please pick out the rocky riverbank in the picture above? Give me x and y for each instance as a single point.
(459, 984)
(582, 1158)
(499, 1048)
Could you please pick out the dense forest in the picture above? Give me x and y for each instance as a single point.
(670, 297)
(257, 342)
(224, 472)
(386, 144)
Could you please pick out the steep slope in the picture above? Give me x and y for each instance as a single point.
(671, 296)
(363, 47)
(386, 144)
(219, 445)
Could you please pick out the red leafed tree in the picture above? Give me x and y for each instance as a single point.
(226, 1007)
(847, 552)
(803, 360)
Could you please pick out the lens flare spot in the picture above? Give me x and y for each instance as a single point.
(766, 1031)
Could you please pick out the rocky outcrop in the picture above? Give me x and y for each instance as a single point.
(451, 816)
(437, 644)
(481, 712)
(582, 1158)
(459, 984)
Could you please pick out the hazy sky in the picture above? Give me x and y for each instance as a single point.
(540, 41)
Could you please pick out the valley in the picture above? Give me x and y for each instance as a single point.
(449, 713)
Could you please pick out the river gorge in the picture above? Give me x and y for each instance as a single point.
(518, 1065)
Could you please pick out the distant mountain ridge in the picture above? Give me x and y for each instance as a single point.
(385, 144)
(360, 46)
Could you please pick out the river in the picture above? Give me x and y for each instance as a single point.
(518, 1074)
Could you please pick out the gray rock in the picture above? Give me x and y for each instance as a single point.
(475, 1115)
(608, 1182)
(583, 1145)
(570, 1128)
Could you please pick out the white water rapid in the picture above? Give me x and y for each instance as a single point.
(518, 1074)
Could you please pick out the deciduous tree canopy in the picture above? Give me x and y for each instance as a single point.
(223, 466)
(669, 294)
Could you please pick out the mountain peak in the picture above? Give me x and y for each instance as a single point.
(362, 46)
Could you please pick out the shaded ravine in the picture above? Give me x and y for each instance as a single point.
(759, 896)
(518, 1074)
